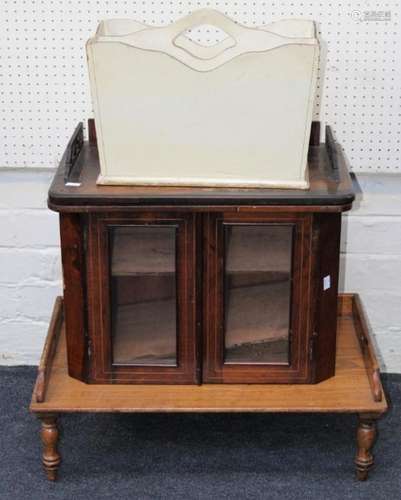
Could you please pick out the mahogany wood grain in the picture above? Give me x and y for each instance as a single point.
(132, 209)
(332, 148)
(92, 132)
(349, 391)
(88, 294)
(327, 232)
(85, 209)
(330, 190)
(72, 232)
(103, 370)
(71, 155)
(215, 370)
(315, 134)
(198, 256)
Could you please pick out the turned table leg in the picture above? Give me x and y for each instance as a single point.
(49, 434)
(366, 435)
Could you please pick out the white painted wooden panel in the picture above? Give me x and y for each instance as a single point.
(170, 113)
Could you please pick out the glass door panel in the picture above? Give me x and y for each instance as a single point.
(143, 295)
(257, 293)
(256, 297)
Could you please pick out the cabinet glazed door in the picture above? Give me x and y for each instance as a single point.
(145, 327)
(256, 298)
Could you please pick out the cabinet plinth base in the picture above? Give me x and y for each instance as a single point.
(355, 388)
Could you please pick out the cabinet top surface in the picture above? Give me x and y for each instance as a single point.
(330, 185)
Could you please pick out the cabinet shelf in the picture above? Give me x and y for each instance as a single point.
(267, 352)
(256, 325)
(243, 249)
(238, 279)
(257, 317)
(149, 251)
(145, 338)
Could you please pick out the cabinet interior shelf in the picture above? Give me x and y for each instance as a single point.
(151, 253)
(144, 338)
(244, 248)
(256, 325)
(149, 250)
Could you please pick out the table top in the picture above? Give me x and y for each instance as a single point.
(351, 390)
(74, 187)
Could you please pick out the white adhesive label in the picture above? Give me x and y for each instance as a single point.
(327, 282)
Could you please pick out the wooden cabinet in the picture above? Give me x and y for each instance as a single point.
(232, 292)
(195, 285)
(184, 297)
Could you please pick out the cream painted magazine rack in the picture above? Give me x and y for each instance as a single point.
(171, 112)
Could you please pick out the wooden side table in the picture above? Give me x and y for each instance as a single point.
(356, 388)
(204, 300)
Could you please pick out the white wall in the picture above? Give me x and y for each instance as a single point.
(371, 260)
(30, 265)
